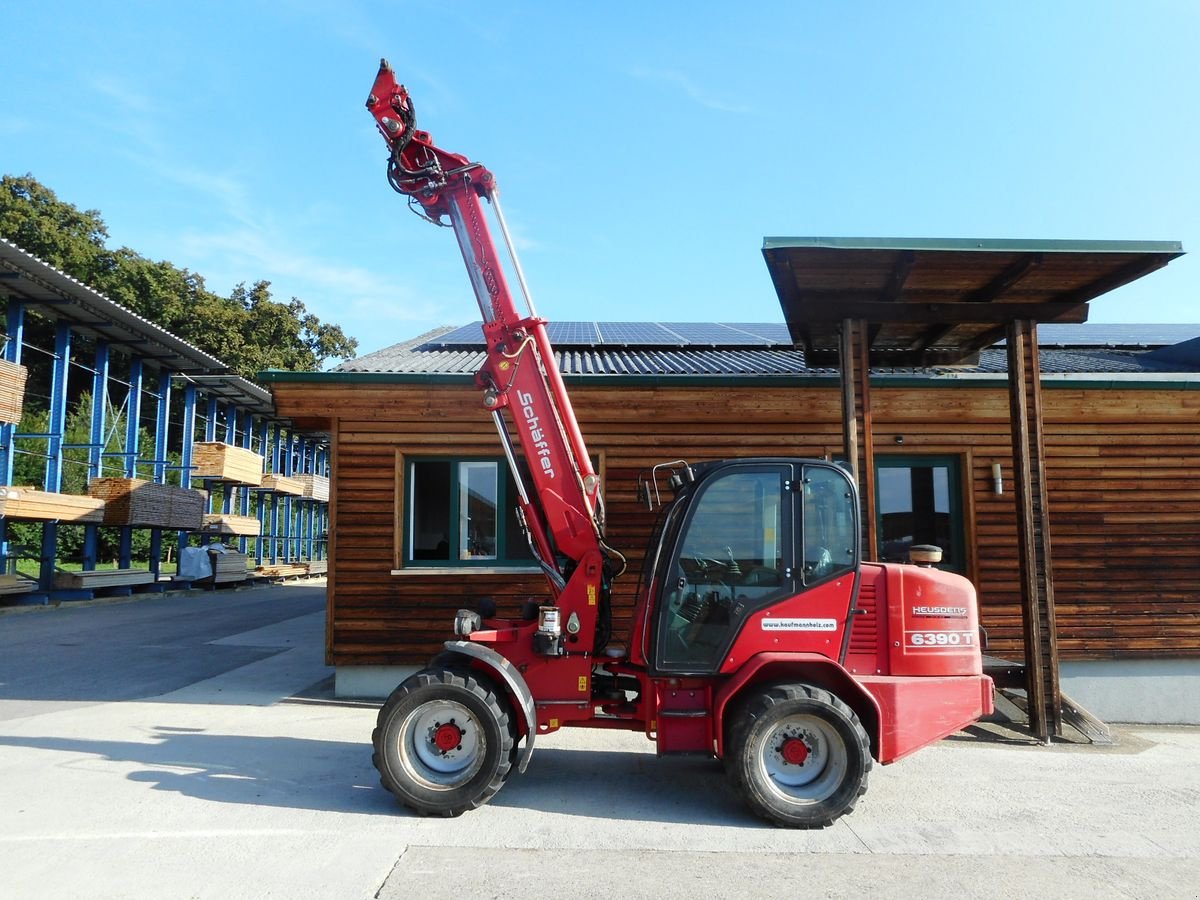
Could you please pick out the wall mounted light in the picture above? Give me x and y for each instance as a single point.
(997, 479)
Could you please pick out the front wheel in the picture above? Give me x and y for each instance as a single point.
(444, 742)
(798, 756)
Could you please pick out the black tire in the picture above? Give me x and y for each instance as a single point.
(797, 756)
(412, 739)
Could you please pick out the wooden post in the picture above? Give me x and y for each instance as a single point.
(858, 429)
(1033, 532)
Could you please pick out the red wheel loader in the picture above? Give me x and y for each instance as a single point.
(760, 637)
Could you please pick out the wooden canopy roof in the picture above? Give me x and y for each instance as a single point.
(939, 302)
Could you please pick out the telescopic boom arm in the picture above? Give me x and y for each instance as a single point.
(563, 514)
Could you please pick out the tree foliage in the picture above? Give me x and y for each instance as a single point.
(248, 330)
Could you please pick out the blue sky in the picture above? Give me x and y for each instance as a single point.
(643, 149)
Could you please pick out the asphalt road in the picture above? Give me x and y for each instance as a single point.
(187, 747)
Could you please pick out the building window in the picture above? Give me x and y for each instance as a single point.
(462, 513)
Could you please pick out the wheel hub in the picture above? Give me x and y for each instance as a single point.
(447, 736)
(794, 751)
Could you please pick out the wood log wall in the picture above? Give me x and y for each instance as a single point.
(1123, 470)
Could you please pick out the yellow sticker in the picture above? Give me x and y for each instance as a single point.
(583, 682)
(554, 723)
(504, 366)
(591, 595)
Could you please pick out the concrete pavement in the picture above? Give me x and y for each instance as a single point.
(186, 747)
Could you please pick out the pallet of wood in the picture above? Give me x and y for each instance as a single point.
(230, 566)
(135, 501)
(12, 390)
(223, 523)
(317, 566)
(224, 462)
(316, 487)
(102, 578)
(282, 570)
(16, 584)
(47, 506)
(283, 484)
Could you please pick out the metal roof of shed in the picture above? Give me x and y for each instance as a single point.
(1075, 349)
(941, 301)
(40, 285)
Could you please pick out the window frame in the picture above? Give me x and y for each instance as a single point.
(403, 561)
(958, 556)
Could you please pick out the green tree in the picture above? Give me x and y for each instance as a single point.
(248, 330)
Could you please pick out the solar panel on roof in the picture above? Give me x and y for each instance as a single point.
(775, 332)
(573, 334)
(468, 335)
(714, 334)
(648, 334)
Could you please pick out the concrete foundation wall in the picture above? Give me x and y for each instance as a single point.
(1145, 691)
(369, 682)
(1151, 692)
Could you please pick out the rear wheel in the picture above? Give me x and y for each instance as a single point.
(798, 756)
(444, 742)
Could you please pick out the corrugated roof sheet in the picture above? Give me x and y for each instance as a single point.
(1100, 350)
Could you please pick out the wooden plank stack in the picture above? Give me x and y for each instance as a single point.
(102, 578)
(224, 462)
(223, 523)
(316, 487)
(282, 484)
(16, 584)
(317, 566)
(229, 566)
(47, 506)
(282, 570)
(135, 501)
(12, 390)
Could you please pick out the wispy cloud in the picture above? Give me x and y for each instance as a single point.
(690, 89)
(359, 294)
(130, 99)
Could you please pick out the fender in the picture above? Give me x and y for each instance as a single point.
(812, 668)
(512, 679)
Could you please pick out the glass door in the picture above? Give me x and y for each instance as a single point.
(919, 501)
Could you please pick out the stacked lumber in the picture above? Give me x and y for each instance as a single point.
(16, 584)
(224, 462)
(47, 506)
(282, 570)
(104, 578)
(135, 501)
(229, 566)
(316, 487)
(317, 566)
(282, 484)
(12, 390)
(224, 523)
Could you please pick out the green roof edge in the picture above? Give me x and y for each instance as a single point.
(999, 245)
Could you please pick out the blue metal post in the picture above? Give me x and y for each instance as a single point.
(273, 554)
(91, 533)
(162, 426)
(244, 493)
(12, 353)
(185, 455)
(54, 445)
(133, 422)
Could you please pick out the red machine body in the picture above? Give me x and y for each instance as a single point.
(767, 619)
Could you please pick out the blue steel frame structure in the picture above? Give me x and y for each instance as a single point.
(230, 407)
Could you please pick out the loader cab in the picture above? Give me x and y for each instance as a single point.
(746, 534)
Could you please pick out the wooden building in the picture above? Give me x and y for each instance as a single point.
(419, 529)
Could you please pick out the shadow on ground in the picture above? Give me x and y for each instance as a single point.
(333, 776)
(329, 776)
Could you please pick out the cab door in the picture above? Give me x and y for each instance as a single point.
(734, 554)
